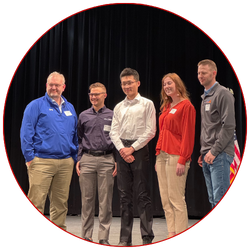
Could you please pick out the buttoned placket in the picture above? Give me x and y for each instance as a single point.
(129, 117)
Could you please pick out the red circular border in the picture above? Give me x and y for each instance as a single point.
(92, 6)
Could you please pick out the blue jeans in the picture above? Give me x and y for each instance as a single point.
(217, 177)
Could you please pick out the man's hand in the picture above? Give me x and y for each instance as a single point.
(28, 163)
(125, 152)
(78, 168)
(129, 159)
(115, 170)
(209, 158)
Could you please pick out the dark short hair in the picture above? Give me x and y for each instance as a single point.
(130, 72)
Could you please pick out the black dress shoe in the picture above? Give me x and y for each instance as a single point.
(104, 242)
(125, 244)
(146, 240)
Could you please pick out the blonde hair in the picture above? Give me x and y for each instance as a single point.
(97, 85)
(180, 86)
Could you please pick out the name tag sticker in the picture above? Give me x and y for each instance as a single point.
(173, 111)
(107, 119)
(207, 107)
(67, 113)
(107, 128)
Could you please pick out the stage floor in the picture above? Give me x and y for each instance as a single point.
(159, 227)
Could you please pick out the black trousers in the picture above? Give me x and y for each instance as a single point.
(132, 178)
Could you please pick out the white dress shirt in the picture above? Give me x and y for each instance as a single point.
(133, 120)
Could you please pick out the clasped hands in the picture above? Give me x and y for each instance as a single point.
(126, 154)
(208, 158)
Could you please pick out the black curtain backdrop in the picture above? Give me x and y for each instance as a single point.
(96, 45)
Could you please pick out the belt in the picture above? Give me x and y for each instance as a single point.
(127, 143)
(97, 152)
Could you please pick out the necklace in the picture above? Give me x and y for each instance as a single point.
(174, 104)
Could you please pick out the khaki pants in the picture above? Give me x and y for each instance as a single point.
(172, 191)
(96, 172)
(51, 177)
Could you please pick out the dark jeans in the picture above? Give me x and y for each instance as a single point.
(133, 178)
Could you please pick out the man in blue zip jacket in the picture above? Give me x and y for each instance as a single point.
(49, 144)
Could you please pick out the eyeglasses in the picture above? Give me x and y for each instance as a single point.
(123, 84)
(95, 94)
(53, 84)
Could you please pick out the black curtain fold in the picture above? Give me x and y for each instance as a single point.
(95, 45)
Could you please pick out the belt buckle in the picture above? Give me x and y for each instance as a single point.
(100, 153)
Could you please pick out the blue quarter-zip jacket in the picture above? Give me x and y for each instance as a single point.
(48, 133)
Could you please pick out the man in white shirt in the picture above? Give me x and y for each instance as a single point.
(133, 126)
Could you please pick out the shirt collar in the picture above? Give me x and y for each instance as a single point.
(206, 92)
(100, 110)
(136, 99)
(62, 101)
(54, 102)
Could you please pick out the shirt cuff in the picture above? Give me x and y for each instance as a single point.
(136, 145)
(119, 146)
(157, 152)
(214, 152)
(29, 158)
(182, 160)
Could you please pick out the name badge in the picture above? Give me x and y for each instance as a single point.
(107, 119)
(207, 107)
(107, 128)
(173, 111)
(67, 113)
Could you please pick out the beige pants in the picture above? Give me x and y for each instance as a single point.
(51, 177)
(172, 191)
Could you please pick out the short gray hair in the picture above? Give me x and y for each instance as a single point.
(57, 74)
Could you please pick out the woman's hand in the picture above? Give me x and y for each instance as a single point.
(180, 169)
